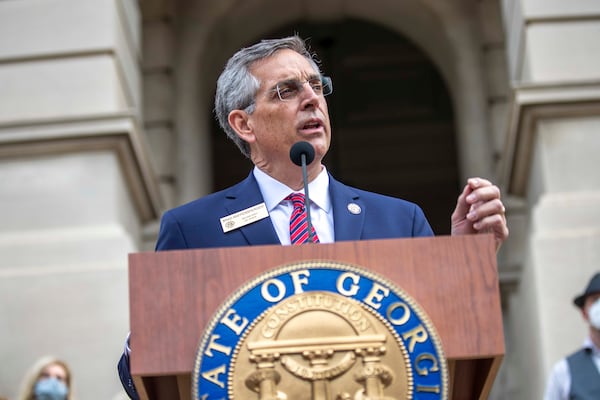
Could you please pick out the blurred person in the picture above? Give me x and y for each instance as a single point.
(48, 379)
(577, 376)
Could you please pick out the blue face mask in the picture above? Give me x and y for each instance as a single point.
(50, 389)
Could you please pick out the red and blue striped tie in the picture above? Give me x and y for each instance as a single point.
(299, 221)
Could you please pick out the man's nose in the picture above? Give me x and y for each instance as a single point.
(310, 97)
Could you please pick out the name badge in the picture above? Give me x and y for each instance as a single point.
(244, 217)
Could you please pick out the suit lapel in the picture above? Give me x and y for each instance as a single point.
(348, 211)
(242, 196)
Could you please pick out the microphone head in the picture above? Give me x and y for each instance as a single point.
(300, 148)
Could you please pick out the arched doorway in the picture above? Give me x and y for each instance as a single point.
(392, 118)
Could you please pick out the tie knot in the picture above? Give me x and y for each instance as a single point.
(297, 199)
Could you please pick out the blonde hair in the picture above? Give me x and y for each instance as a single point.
(34, 373)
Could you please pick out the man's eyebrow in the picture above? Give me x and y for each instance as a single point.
(313, 76)
(286, 80)
(301, 77)
(273, 87)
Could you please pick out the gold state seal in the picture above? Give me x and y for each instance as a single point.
(320, 331)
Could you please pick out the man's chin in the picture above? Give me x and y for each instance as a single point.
(319, 143)
(320, 150)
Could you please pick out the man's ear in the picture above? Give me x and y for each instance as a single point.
(239, 120)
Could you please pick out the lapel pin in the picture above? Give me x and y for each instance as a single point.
(354, 208)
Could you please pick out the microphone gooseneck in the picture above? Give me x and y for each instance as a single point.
(302, 154)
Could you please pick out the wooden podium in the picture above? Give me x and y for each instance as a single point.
(173, 295)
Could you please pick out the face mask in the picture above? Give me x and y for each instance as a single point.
(50, 389)
(594, 314)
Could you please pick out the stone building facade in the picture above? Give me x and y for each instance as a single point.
(106, 121)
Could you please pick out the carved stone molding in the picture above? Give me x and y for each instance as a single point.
(118, 133)
(530, 104)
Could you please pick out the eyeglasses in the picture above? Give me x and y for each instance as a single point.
(290, 89)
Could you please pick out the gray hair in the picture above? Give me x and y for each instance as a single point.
(237, 87)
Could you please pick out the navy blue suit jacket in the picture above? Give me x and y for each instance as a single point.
(197, 225)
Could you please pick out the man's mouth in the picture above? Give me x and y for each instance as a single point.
(312, 125)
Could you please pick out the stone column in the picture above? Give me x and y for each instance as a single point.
(551, 165)
(76, 186)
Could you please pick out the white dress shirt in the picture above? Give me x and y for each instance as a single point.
(559, 382)
(280, 210)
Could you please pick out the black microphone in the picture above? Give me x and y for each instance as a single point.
(302, 154)
(300, 149)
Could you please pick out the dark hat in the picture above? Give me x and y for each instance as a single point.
(592, 287)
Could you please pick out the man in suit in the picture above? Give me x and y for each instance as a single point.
(269, 97)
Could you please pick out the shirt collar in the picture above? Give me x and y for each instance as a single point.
(587, 343)
(274, 192)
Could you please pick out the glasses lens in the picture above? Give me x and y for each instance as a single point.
(327, 85)
(316, 85)
(288, 90)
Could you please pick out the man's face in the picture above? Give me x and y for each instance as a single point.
(589, 300)
(275, 124)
